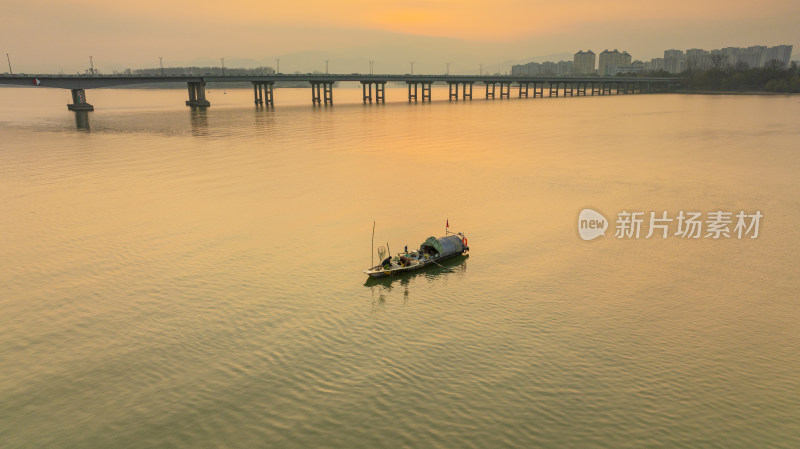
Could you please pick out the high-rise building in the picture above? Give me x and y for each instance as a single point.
(674, 61)
(547, 68)
(697, 59)
(613, 58)
(780, 53)
(654, 65)
(755, 56)
(584, 62)
(529, 69)
(565, 67)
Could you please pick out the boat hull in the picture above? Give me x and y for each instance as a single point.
(380, 272)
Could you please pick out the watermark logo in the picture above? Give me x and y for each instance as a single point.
(717, 224)
(591, 224)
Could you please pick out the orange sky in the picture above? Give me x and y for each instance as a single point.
(60, 34)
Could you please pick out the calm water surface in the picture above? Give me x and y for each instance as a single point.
(178, 278)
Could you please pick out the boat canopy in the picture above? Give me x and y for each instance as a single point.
(445, 246)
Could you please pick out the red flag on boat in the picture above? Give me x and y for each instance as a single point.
(448, 223)
(36, 82)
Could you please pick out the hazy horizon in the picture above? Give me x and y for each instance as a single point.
(349, 34)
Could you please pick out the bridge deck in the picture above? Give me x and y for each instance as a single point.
(99, 81)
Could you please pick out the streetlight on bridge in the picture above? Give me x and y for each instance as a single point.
(412, 66)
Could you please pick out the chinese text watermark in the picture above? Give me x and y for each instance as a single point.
(716, 224)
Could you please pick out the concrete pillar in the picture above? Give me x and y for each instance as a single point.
(258, 93)
(568, 92)
(426, 92)
(82, 121)
(412, 94)
(380, 92)
(467, 92)
(316, 96)
(366, 91)
(490, 89)
(79, 101)
(538, 90)
(262, 92)
(268, 97)
(553, 89)
(523, 89)
(327, 90)
(197, 94)
(505, 90)
(453, 94)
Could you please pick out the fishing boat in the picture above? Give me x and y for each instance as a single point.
(431, 252)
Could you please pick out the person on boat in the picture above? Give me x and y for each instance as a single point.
(387, 262)
(404, 261)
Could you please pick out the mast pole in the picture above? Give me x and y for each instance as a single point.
(372, 251)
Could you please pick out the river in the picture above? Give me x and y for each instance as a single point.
(193, 278)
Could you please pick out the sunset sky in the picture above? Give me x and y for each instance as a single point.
(59, 35)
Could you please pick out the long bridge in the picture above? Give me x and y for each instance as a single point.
(419, 86)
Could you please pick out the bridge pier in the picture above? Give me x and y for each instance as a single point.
(380, 91)
(553, 89)
(538, 90)
(79, 101)
(262, 92)
(452, 89)
(412, 94)
(197, 94)
(505, 89)
(82, 121)
(568, 89)
(426, 91)
(322, 91)
(523, 89)
(466, 91)
(489, 92)
(606, 89)
(581, 89)
(366, 92)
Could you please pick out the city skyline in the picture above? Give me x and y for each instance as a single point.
(392, 34)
